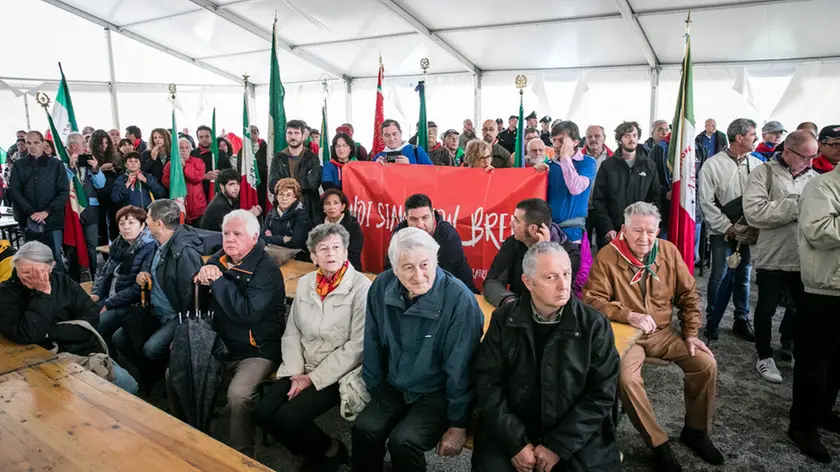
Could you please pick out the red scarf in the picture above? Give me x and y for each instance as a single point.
(339, 166)
(822, 165)
(624, 251)
(137, 143)
(325, 285)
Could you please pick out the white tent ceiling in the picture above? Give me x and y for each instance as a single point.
(344, 38)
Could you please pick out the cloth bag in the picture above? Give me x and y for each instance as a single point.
(353, 393)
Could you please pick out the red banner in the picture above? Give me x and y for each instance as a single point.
(479, 204)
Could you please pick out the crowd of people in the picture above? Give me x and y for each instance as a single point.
(405, 356)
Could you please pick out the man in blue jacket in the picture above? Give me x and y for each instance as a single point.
(86, 168)
(136, 187)
(422, 328)
(398, 151)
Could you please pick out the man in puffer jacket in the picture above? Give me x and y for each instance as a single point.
(816, 343)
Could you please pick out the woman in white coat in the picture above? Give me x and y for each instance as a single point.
(323, 341)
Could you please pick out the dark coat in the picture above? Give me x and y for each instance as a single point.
(216, 210)
(507, 139)
(128, 260)
(578, 382)
(39, 184)
(504, 279)
(294, 223)
(139, 196)
(179, 263)
(441, 157)
(721, 142)
(617, 186)
(249, 305)
(206, 156)
(451, 257)
(308, 175)
(154, 166)
(357, 239)
(666, 180)
(423, 347)
(31, 317)
(501, 157)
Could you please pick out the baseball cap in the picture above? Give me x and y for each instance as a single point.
(830, 132)
(344, 129)
(513, 117)
(773, 127)
(545, 119)
(450, 132)
(431, 124)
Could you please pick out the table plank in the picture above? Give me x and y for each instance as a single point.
(57, 416)
(15, 356)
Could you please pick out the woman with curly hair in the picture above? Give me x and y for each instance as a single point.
(157, 155)
(110, 164)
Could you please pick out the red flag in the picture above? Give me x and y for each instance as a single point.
(379, 115)
(74, 236)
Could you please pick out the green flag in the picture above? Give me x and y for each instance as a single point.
(519, 151)
(422, 124)
(63, 114)
(214, 148)
(276, 102)
(325, 140)
(2, 156)
(177, 185)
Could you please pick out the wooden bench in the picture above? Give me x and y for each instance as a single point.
(14, 357)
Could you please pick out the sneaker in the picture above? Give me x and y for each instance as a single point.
(744, 330)
(810, 445)
(699, 442)
(767, 369)
(665, 459)
(786, 351)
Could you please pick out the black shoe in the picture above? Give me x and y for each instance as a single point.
(331, 464)
(744, 330)
(711, 334)
(831, 423)
(786, 351)
(665, 459)
(699, 442)
(810, 445)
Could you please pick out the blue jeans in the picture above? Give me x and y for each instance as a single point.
(124, 380)
(724, 282)
(54, 240)
(156, 347)
(109, 322)
(697, 230)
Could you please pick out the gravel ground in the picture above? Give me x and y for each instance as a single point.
(750, 422)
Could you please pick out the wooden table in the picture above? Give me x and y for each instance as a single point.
(15, 357)
(57, 416)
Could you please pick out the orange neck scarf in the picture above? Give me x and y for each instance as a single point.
(324, 285)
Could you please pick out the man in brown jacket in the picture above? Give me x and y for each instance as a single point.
(634, 280)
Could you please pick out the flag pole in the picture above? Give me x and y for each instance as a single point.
(519, 154)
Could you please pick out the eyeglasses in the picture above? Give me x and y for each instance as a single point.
(803, 156)
(489, 130)
(487, 157)
(831, 145)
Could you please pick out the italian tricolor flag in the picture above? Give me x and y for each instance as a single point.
(681, 158)
(250, 173)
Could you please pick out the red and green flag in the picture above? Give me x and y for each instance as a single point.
(379, 113)
(251, 174)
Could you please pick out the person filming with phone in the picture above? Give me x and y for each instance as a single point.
(86, 168)
(398, 151)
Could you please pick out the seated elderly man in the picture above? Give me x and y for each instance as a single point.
(574, 358)
(247, 298)
(421, 330)
(637, 279)
(36, 301)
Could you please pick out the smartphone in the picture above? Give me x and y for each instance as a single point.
(391, 156)
(83, 160)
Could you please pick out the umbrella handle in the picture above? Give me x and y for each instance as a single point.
(196, 298)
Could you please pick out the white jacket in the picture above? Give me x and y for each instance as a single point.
(725, 179)
(775, 215)
(325, 339)
(819, 234)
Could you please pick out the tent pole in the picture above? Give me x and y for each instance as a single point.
(654, 93)
(477, 100)
(26, 109)
(348, 108)
(112, 86)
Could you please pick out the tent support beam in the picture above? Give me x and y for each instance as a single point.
(112, 86)
(26, 110)
(654, 93)
(141, 39)
(477, 100)
(425, 31)
(254, 29)
(633, 22)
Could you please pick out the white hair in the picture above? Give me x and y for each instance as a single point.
(34, 251)
(409, 240)
(641, 209)
(252, 226)
(325, 230)
(74, 138)
(529, 262)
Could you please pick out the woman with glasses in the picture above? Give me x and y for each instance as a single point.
(288, 223)
(479, 155)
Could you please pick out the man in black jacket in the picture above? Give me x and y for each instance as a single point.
(419, 213)
(39, 188)
(205, 153)
(248, 298)
(225, 201)
(507, 138)
(712, 139)
(300, 164)
(628, 178)
(40, 306)
(546, 376)
(531, 224)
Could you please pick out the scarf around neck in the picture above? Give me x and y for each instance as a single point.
(325, 285)
(339, 166)
(620, 245)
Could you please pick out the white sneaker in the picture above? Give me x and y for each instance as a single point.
(767, 369)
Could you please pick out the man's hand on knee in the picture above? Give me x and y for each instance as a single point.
(452, 442)
(693, 343)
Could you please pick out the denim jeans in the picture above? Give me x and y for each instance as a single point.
(156, 347)
(717, 298)
(698, 228)
(91, 238)
(124, 380)
(109, 322)
(771, 285)
(54, 240)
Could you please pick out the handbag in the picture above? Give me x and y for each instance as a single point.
(353, 393)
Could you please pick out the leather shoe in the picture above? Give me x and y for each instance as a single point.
(810, 445)
(711, 334)
(831, 423)
(665, 459)
(744, 330)
(699, 442)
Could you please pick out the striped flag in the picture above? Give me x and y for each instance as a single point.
(422, 123)
(251, 174)
(62, 113)
(325, 139)
(276, 110)
(379, 114)
(681, 227)
(177, 184)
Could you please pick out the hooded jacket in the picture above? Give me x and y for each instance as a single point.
(124, 262)
(30, 317)
(504, 279)
(39, 184)
(140, 195)
(249, 305)
(294, 223)
(618, 186)
(578, 376)
(195, 201)
(179, 262)
(451, 257)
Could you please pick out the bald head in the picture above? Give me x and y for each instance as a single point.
(800, 147)
(489, 131)
(711, 127)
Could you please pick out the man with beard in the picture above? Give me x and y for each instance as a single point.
(545, 130)
(507, 138)
(501, 156)
(629, 177)
(468, 134)
(205, 153)
(300, 164)
(225, 201)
